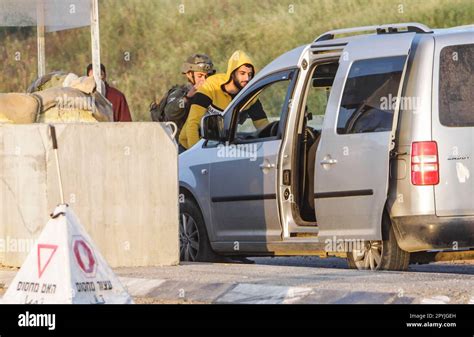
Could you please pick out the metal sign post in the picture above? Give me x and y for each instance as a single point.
(40, 37)
(95, 44)
(52, 130)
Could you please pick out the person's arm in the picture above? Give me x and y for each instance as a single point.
(193, 123)
(199, 104)
(124, 113)
(260, 123)
(258, 115)
(119, 105)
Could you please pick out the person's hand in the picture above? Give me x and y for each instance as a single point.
(192, 92)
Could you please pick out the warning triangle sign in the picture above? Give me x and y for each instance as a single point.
(65, 266)
(45, 254)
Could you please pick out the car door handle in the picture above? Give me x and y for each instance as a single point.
(267, 166)
(328, 161)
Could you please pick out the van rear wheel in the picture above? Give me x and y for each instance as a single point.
(380, 255)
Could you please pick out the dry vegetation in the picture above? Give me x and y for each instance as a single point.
(158, 36)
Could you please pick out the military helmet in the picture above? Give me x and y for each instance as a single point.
(200, 63)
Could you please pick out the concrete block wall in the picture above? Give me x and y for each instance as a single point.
(121, 179)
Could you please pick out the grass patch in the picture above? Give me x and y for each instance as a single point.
(158, 35)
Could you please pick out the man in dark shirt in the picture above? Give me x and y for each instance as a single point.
(116, 97)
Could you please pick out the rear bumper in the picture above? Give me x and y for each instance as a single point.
(429, 232)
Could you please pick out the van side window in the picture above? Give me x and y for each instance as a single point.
(261, 113)
(456, 85)
(369, 97)
(316, 105)
(318, 93)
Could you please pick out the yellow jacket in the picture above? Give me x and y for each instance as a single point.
(212, 98)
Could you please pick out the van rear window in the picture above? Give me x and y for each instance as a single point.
(368, 101)
(456, 85)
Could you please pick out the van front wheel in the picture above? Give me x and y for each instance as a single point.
(193, 239)
(380, 255)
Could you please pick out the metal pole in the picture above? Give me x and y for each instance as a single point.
(95, 39)
(40, 37)
(55, 148)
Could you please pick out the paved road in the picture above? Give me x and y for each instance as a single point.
(296, 280)
(310, 280)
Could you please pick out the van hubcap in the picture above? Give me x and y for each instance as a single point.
(188, 238)
(370, 257)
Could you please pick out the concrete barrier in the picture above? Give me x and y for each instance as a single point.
(120, 179)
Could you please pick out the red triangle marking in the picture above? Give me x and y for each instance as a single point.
(44, 246)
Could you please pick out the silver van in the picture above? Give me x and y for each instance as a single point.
(367, 153)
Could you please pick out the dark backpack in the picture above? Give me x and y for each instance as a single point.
(157, 110)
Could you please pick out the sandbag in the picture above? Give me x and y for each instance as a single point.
(4, 119)
(85, 84)
(72, 105)
(57, 115)
(103, 106)
(55, 105)
(57, 97)
(18, 108)
(67, 97)
(59, 79)
(51, 80)
(69, 79)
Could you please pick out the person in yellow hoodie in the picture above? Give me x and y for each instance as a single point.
(216, 94)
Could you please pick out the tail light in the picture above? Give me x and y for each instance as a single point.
(424, 163)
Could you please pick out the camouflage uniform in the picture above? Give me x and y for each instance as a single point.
(174, 106)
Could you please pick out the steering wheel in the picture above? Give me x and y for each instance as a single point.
(270, 130)
(274, 129)
(311, 134)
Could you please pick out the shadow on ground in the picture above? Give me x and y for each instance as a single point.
(456, 267)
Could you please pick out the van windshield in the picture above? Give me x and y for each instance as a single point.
(456, 85)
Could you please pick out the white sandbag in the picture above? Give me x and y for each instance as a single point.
(18, 108)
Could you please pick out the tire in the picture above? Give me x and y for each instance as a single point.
(391, 256)
(194, 243)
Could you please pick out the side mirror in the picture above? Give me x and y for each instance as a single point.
(212, 127)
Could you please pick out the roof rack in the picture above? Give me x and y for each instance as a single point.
(380, 29)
